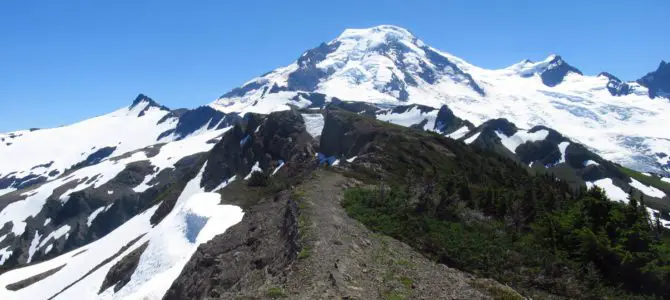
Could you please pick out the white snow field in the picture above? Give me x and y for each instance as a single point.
(62, 147)
(613, 192)
(196, 218)
(17, 212)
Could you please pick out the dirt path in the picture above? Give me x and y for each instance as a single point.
(342, 259)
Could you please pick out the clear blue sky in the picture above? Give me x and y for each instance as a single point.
(63, 61)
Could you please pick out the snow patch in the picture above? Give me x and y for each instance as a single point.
(281, 164)
(591, 163)
(472, 138)
(613, 192)
(562, 147)
(412, 116)
(520, 137)
(647, 190)
(224, 183)
(171, 153)
(33, 246)
(314, 124)
(5, 253)
(94, 215)
(459, 133)
(56, 234)
(255, 168)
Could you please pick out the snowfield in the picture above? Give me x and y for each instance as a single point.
(613, 192)
(196, 219)
(412, 116)
(47, 151)
(521, 137)
(17, 212)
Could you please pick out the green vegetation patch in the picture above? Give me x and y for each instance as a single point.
(589, 247)
(647, 180)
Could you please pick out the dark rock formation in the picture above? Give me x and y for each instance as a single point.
(446, 122)
(119, 274)
(308, 76)
(557, 71)
(262, 246)
(658, 82)
(192, 120)
(30, 280)
(266, 140)
(615, 86)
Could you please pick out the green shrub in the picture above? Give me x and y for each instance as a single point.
(258, 179)
(276, 293)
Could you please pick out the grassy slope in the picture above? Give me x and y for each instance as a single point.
(648, 180)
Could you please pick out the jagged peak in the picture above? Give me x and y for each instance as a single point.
(553, 58)
(609, 76)
(658, 81)
(142, 98)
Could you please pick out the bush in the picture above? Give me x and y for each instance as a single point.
(258, 179)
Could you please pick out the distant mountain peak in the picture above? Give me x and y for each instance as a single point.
(556, 70)
(142, 98)
(658, 82)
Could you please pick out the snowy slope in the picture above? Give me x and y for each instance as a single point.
(17, 212)
(33, 156)
(49, 152)
(196, 218)
(387, 64)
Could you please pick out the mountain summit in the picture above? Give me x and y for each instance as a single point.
(389, 65)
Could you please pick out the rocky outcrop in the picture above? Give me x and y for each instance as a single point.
(658, 82)
(203, 117)
(119, 274)
(554, 74)
(28, 281)
(281, 136)
(615, 86)
(446, 122)
(248, 256)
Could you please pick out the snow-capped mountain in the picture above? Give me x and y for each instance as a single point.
(115, 206)
(35, 156)
(622, 121)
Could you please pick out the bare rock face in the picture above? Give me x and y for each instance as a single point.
(121, 272)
